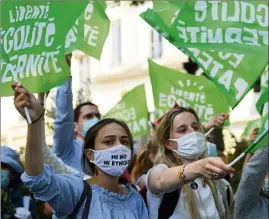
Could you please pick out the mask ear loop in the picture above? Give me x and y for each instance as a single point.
(175, 151)
(91, 161)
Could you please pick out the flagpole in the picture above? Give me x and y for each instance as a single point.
(237, 159)
(248, 149)
(45, 97)
(26, 111)
(209, 132)
(27, 115)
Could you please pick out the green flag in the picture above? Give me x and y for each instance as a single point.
(262, 139)
(263, 97)
(166, 11)
(224, 26)
(3, 55)
(260, 142)
(132, 109)
(90, 30)
(263, 123)
(33, 35)
(170, 87)
(233, 74)
(249, 128)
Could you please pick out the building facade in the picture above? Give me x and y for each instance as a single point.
(123, 66)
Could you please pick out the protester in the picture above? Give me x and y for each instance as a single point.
(180, 184)
(15, 198)
(56, 163)
(71, 126)
(251, 201)
(107, 140)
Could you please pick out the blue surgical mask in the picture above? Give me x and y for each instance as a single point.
(4, 178)
(266, 186)
(211, 150)
(87, 124)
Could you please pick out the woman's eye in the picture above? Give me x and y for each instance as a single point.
(88, 116)
(125, 143)
(109, 142)
(182, 130)
(196, 128)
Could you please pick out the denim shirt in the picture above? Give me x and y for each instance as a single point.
(65, 146)
(63, 192)
(248, 201)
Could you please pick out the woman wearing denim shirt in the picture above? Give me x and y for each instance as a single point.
(107, 151)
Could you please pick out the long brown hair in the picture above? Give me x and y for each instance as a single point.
(172, 159)
(143, 162)
(89, 143)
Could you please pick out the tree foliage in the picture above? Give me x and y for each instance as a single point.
(83, 94)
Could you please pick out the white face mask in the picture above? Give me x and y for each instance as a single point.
(190, 146)
(112, 161)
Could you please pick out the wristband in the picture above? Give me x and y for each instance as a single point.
(179, 175)
(183, 177)
(38, 117)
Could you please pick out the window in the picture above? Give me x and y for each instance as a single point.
(84, 91)
(85, 70)
(157, 47)
(116, 43)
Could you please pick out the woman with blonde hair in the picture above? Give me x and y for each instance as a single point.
(181, 185)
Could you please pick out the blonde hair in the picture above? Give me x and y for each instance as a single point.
(171, 159)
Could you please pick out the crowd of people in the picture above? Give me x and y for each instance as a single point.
(87, 174)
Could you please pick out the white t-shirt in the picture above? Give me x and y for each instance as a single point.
(203, 198)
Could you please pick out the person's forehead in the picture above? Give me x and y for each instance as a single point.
(184, 118)
(88, 109)
(112, 129)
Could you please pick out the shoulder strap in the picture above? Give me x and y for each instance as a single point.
(87, 193)
(88, 201)
(134, 187)
(168, 204)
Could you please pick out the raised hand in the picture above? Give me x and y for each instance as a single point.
(254, 134)
(24, 98)
(217, 121)
(213, 168)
